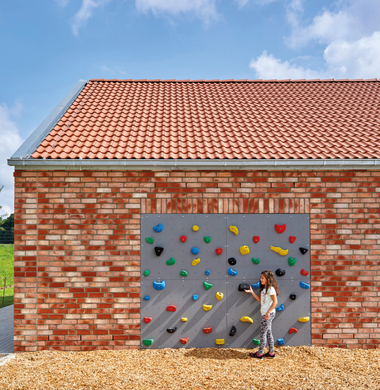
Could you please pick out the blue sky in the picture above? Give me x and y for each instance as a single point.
(47, 44)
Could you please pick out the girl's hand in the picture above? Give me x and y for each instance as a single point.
(266, 317)
(249, 291)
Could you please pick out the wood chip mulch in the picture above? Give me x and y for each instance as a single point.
(212, 368)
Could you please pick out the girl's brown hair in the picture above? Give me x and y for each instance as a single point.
(272, 282)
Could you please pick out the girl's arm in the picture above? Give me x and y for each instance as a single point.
(272, 306)
(250, 291)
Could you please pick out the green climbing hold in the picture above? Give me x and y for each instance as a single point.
(292, 261)
(184, 273)
(146, 272)
(255, 261)
(148, 342)
(149, 240)
(171, 261)
(207, 285)
(256, 341)
(207, 239)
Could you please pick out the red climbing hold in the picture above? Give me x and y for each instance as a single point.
(207, 330)
(147, 319)
(280, 228)
(183, 238)
(304, 273)
(293, 330)
(256, 239)
(292, 239)
(184, 341)
(171, 308)
(219, 251)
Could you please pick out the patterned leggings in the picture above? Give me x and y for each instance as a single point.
(266, 333)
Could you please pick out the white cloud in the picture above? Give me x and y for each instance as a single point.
(242, 3)
(85, 13)
(62, 3)
(10, 140)
(114, 71)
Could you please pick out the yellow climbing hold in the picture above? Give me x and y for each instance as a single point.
(183, 319)
(195, 228)
(246, 319)
(244, 250)
(234, 229)
(280, 251)
(219, 296)
(195, 262)
(207, 307)
(304, 319)
(219, 341)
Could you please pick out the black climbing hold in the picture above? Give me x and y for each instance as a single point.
(232, 331)
(243, 286)
(171, 330)
(280, 272)
(158, 250)
(232, 261)
(293, 296)
(304, 250)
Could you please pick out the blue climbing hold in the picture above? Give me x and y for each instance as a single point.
(256, 285)
(281, 341)
(281, 307)
(195, 297)
(159, 285)
(146, 298)
(232, 272)
(207, 272)
(194, 250)
(159, 228)
(304, 285)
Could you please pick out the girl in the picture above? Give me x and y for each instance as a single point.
(269, 291)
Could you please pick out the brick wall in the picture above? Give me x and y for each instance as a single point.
(77, 238)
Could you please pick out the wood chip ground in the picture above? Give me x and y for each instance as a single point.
(212, 368)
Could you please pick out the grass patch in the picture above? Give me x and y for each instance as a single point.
(6, 271)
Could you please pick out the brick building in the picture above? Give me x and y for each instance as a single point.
(115, 149)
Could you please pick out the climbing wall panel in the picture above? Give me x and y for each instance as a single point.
(189, 253)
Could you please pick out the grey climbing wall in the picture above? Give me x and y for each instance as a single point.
(227, 312)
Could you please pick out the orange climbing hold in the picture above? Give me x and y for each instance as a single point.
(219, 251)
(183, 238)
(147, 319)
(171, 308)
(280, 228)
(184, 341)
(293, 330)
(207, 330)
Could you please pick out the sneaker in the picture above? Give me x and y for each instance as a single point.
(269, 355)
(255, 355)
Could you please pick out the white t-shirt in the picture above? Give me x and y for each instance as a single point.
(266, 300)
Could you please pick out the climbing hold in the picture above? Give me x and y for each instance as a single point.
(194, 250)
(246, 319)
(304, 250)
(195, 228)
(159, 228)
(232, 331)
(146, 298)
(304, 285)
(207, 330)
(219, 341)
(195, 297)
(183, 238)
(184, 273)
(280, 272)
(184, 341)
(147, 319)
(171, 308)
(195, 262)
(293, 330)
(183, 319)
(219, 296)
(280, 228)
(256, 239)
(279, 250)
(171, 330)
(207, 272)
(207, 307)
(146, 272)
(158, 250)
(148, 342)
(280, 308)
(291, 261)
(207, 285)
(304, 273)
(207, 239)
(244, 250)
(256, 285)
(293, 297)
(171, 261)
(232, 272)
(281, 341)
(218, 251)
(292, 239)
(231, 261)
(234, 229)
(256, 341)
(243, 286)
(255, 261)
(304, 319)
(149, 240)
(159, 285)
